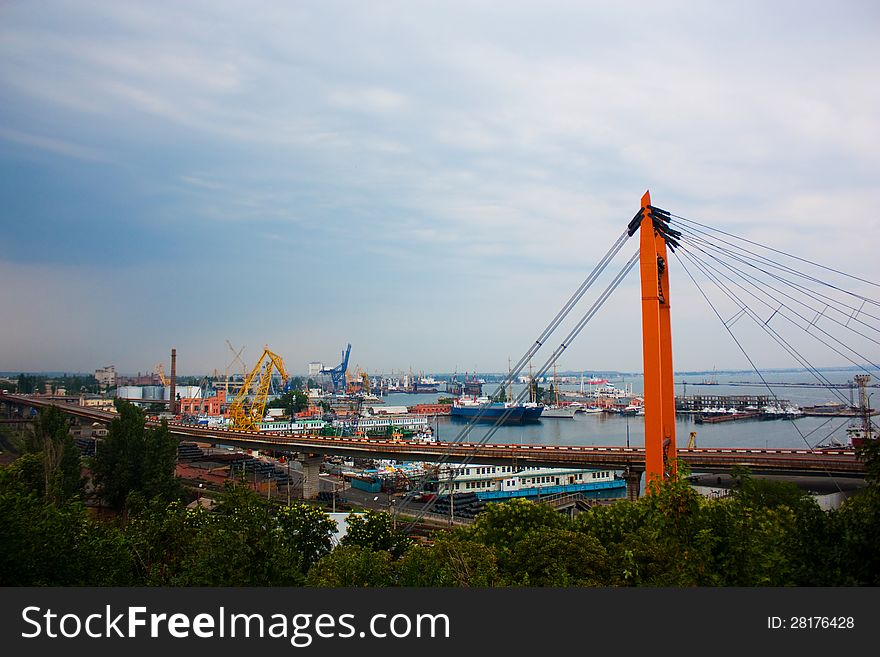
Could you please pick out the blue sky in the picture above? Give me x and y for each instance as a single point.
(426, 180)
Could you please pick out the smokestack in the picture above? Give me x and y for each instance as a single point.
(173, 393)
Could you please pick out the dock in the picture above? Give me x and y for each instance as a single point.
(727, 417)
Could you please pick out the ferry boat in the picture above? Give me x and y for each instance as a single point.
(378, 423)
(499, 483)
(306, 425)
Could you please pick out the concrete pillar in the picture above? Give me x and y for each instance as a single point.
(311, 470)
(633, 478)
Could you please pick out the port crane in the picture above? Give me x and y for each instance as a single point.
(160, 370)
(245, 411)
(236, 357)
(337, 374)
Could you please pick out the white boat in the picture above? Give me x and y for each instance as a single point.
(493, 482)
(561, 411)
(555, 409)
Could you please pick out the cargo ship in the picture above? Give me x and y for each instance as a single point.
(482, 408)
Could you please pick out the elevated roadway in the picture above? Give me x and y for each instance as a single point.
(801, 462)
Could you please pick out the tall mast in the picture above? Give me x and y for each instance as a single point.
(531, 384)
(509, 381)
(555, 385)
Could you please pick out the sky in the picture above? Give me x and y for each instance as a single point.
(428, 181)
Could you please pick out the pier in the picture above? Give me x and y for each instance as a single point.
(742, 403)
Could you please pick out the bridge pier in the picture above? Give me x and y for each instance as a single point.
(311, 470)
(633, 478)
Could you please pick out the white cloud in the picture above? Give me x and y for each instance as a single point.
(52, 145)
(507, 143)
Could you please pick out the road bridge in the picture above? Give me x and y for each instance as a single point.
(631, 460)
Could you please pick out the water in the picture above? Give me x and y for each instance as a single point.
(612, 429)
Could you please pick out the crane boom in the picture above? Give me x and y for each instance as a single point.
(246, 414)
(160, 370)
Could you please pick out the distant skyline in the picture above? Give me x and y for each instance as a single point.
(428, 181)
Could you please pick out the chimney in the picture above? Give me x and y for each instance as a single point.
(173, 393)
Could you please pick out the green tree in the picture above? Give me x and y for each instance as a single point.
(558, 557)
(50, 437)
(504, 524)
(857, 525)
(133, 459)
(353, 566)
(450, 561)
(308, 531)
(869, 452)
(48, 544)
(374, 530)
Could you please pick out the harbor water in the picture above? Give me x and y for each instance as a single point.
(614, 429)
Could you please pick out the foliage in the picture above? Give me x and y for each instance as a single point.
(352, 566)
(293, 401)
(502, 525)
(246, 542)
(57, 545)
(869, 452)
(558, 557)
(72, 383)
(858, 531)
(448, 562)
(50, 438)
(374, 530)
(308, 530)
(763, 534)
(134, 459)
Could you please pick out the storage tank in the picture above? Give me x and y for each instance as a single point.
(185, 392)
(130, 392)
(153, 393)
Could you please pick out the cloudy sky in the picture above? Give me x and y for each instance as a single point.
(428, 181)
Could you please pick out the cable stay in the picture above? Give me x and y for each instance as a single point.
(789, 255)
(748, 358)
(808, 324)
(767, 329)
(851, 312)
(736, 271)
(750, 259)
(531, 352)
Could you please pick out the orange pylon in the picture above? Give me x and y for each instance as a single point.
(660, 450)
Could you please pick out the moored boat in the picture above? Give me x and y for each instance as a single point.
(482, 408)
(562, 411)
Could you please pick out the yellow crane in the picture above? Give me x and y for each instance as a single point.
(160, 370)
(246, 412)
(692, 441)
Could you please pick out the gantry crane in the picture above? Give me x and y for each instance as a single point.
(337, 374)
(245, 411)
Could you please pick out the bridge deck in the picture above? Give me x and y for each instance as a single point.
(837, 462)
